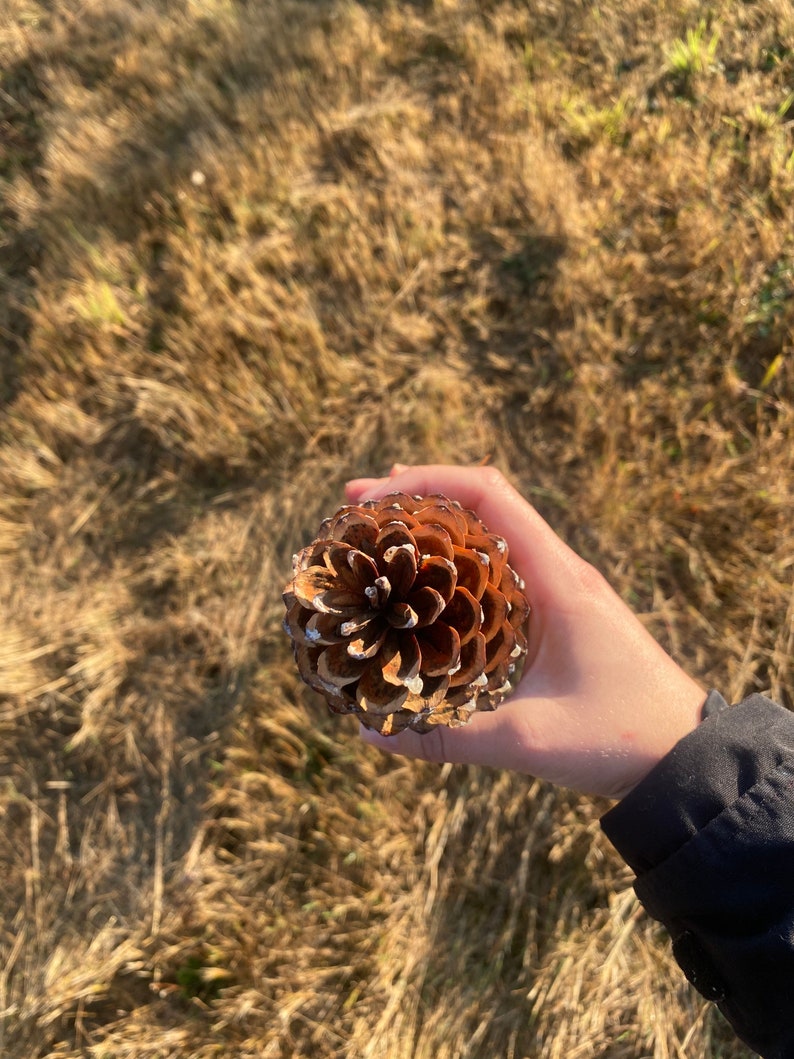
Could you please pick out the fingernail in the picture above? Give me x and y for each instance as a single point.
(398, 468)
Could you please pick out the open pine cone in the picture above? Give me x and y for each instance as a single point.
(405, 612)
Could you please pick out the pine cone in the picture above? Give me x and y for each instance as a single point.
(405, 612)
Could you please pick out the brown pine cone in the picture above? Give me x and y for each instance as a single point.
(405, 612)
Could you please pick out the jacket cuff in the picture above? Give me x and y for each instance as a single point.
(709, 769)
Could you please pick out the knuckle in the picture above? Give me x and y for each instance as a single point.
(493, 477)
(432, 747)
(589, 581)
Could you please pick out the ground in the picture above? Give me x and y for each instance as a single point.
(249, 250)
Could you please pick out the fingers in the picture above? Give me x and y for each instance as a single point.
(497, 739)
(368, 488)
(408, 744)
(484, 489)
(469, 485)
(535, 549)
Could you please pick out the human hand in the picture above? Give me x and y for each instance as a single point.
(599, 702)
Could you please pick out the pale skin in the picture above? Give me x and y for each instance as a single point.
(599, 702)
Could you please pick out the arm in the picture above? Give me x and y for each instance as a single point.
(710, 835)
(707, 816)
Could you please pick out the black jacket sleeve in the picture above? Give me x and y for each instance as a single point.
(710, 835)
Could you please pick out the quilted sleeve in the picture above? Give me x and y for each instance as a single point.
(710, 835)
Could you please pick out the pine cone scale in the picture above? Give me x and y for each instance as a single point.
(472, 662)
(352, 567)
(495, 608)
(403, 616)
(401, 660)
(499, 648)
(473, 570)
(336, 667)
(440, 647)
(464, 613)
(357, 529)
(376, 694)
(443, 516)
(436, 572)
(372, 638)
(433, 540)
(323, 630)
(496, 550)
(399, 561)
(427, 604)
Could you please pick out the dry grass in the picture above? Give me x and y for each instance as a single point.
(248, 250)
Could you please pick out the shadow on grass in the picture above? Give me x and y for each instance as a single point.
(21, 99)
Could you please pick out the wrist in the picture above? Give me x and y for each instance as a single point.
(678, 713)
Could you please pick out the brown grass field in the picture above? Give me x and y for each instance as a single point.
(249, 250)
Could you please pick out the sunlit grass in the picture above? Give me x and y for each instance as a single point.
(695, 52)
(246, 252)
